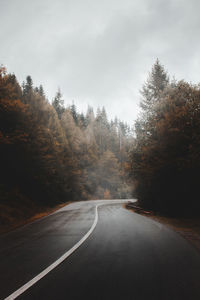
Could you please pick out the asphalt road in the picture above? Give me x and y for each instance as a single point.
(127, 256)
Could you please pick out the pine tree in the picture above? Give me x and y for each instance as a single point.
(41, 91)
(152, 89)
(74, 113)
(28, 85)
(58, 104)
(90, 115)
(82, 121)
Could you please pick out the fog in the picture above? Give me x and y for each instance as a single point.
(99, 52)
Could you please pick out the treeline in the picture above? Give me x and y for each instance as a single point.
(50, 153)
(165, 160)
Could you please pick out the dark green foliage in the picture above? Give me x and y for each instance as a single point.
(58, 104)
(28, 86)
(74, 113)
(41, 91)
(83, 121)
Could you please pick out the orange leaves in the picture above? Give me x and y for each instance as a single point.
(106, 194)
(12, 106)
(15, 138)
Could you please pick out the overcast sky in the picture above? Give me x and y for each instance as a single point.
(99, 52)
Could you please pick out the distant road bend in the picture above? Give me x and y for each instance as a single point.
(97, 250)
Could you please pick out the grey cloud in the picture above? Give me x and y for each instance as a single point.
(99, 52)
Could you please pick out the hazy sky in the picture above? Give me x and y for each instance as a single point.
(99, 52)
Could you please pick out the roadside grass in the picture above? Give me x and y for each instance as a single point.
(189, 227)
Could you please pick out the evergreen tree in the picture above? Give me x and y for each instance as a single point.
(58, 104)
(90, 115)
(104, 118)
(36, 89)
(41, 91)
(74, 113)
(28, 85)
(155, 84)
(83, 121)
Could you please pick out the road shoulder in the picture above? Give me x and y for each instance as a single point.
(189, 227)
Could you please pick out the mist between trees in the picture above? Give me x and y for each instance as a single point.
(50, 153)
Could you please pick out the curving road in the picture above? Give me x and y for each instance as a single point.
(127, 256)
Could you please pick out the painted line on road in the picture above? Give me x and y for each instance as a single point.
(62, 258)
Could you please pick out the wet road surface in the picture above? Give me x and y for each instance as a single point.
(127, 256)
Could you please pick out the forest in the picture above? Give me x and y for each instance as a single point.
(50, 153)
(165, 159)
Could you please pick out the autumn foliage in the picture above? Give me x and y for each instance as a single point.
(50, 153)
(165, 159)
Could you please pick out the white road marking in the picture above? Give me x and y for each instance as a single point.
(63, 257)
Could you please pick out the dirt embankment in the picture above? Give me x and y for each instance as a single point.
(12, 216)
